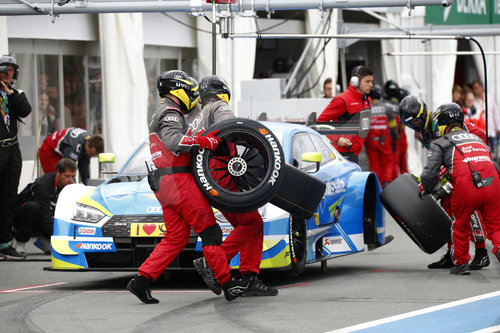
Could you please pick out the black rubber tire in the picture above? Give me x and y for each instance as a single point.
(300, 193)
(255, 171)
(298, 245)
(423, 220)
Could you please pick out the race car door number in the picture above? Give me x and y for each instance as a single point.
(147, 230)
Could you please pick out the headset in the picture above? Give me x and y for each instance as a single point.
(355, 79)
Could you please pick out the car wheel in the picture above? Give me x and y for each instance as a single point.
(245, 171)
(423, 220)
(298, 245)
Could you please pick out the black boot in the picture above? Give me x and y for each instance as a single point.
(256, 287)
(462, 269)
(207, 275)
(480, 259)
(444, 262)
(139, 286)
(234, 288)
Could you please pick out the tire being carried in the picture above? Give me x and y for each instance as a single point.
(423, 220)
(246, 169)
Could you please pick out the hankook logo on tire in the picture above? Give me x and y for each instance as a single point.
(277, 162)
(201, 173)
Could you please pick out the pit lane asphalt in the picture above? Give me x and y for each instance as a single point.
(356, 289)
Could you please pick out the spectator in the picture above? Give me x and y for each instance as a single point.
(344, 106)
(470, 109)
(47, 115)
(327, 88)
(36, 205)
(457, 95)
(184, 206)
(73, 143)
(248, 234)
(13, 106)
(476, 182)
(493, 116)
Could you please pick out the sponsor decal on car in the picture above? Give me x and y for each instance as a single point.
(153, 209)
(86, 231)
(147, 230)
(93, 246)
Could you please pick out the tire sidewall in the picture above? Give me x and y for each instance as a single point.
(250, 200)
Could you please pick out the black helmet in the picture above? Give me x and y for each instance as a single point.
(403, 93)
(376, 92)
(214, 86)
(177, 83)
(194, 94)
(391, 89)
(447, 114)
(414, 114)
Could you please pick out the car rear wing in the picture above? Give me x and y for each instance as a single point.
(359, 124)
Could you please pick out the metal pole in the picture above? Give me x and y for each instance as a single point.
(459, 53)
(341, 36)
(44, 7)
(214, 40)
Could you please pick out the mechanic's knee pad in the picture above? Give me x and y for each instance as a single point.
(211, 236)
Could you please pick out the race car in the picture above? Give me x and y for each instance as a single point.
(116, 225)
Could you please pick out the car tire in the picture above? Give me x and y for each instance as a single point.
(425, 222)
(298, 245)
(301, 203)
(249, 177)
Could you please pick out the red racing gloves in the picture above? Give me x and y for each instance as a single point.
(209, 141)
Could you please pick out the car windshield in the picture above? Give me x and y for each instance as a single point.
(136, 165)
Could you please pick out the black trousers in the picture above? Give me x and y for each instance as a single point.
(27, 223)
(11, 163)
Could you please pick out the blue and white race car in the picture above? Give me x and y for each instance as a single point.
(116, 225)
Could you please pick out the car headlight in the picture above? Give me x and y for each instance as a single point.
(86, 213)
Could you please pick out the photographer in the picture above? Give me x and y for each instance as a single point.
(13, 105)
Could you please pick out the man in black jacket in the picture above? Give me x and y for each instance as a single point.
(36, 205)
(13, 106)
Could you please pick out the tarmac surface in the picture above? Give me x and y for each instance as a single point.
(389, 289)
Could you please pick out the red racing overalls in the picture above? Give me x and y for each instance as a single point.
(379, 141)
(184, 206)
(463, 153)
(248, 233)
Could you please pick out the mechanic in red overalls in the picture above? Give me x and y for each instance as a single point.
(476, 184)
(344, 106)
(73, 143)
(415, 115)
(393, 95)
(184, 206)
(381, 138)
(248, 233)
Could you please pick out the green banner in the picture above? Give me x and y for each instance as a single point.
(465, 12)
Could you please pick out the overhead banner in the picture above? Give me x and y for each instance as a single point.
(465, 12)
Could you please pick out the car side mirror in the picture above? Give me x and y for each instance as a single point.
(106, 158)
(312, 157)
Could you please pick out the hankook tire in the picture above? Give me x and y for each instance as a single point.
(249, 175)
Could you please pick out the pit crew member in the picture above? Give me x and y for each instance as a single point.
(474, 177)
(183, 204)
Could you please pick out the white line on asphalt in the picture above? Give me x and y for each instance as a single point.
(492, 329)
(32, 287)
(416, 313)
